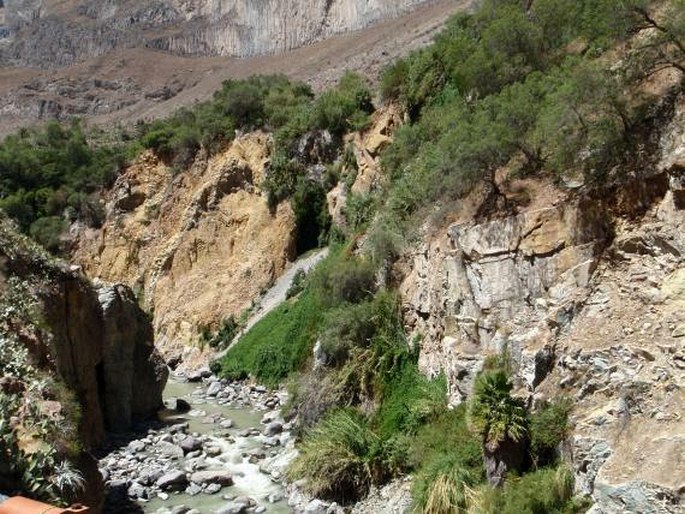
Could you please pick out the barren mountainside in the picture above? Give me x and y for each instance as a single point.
(49, 33)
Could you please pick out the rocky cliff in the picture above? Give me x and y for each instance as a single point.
(77, 359)
(189, 27)
(93, 336)
(197, 246)
(584, 292)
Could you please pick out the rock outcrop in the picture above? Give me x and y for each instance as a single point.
(585, 293)
(196, 246)
(94, 337)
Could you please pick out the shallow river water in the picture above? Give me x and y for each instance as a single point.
(237, 445)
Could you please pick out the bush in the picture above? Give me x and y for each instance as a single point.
(549, 427)
(343, 108)
(343, 279)
(338, 458)
(48, 232)
(546, 491)
(441, 487)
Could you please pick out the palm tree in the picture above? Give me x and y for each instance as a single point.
(501, 421)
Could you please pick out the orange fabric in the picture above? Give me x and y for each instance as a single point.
(21, 505)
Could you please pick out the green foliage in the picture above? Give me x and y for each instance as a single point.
(276, 346)
(447, 457)
(227, 331)
(441, 486)
(359, 211)
(49, 173)
(549, 426)
(343, 108)
(342, 278)
(339, 457)
(546, 491)
(493, 413)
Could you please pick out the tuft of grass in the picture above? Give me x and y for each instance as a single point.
(338, 457)
(442, 487)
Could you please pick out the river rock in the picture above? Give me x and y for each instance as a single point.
(136, 446)
(220, 477)
(213, 488)
(193, 489)
(173, 480)
(169, 450)
(190, 444)
(273, 429)
(232, 508)
(137, 491)
(178, 405)
(214, 388)
(316, 507)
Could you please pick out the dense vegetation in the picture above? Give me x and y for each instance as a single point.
(53, 175)
(50, 176)
(529, 86)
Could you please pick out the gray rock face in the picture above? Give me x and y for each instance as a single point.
(134, 374)
(488, 284)
(196, 27)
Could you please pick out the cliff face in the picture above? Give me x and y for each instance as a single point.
(77, 359)
(241, 28)
(196, 246)
(585, 294)
(94, 337)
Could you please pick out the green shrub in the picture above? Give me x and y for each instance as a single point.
(549, 427)
(441, 487)
(276, 346)
(546, 491)
(343, 108)
(342, 278)
(339, 458)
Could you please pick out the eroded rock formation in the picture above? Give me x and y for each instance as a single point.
(95, 338)
(197, 246)
(585, 292)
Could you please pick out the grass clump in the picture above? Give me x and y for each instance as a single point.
(339, 457)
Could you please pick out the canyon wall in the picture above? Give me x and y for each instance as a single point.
(93, 336)
(196, 246)
(49, 33)
(584, 291)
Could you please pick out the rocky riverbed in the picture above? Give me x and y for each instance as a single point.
(219, 447)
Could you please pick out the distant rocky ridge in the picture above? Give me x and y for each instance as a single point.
(115, 63)
(47, 33)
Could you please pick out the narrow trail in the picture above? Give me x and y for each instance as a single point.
(276, 294)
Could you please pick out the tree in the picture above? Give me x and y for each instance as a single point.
(502, 423)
